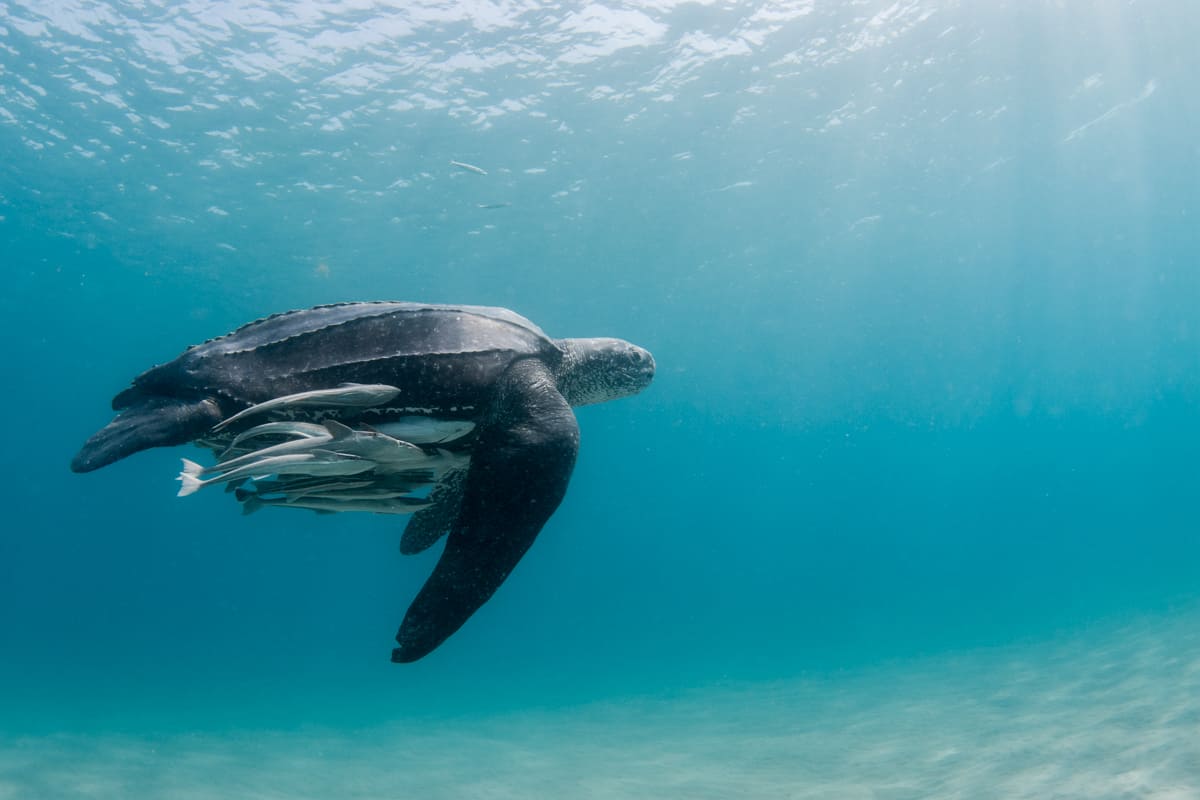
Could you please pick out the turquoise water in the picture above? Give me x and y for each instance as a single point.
(908, 511)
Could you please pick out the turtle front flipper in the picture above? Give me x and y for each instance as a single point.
(151, 422)
(520, 467)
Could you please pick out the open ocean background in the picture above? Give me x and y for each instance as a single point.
(910, 510)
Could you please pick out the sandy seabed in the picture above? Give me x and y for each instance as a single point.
(1113, 712)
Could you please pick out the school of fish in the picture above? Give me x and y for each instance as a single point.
(330, 467)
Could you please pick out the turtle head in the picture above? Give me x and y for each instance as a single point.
(596, 370)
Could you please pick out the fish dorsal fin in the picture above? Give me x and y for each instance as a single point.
(337, 430)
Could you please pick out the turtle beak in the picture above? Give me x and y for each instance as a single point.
(643, 367)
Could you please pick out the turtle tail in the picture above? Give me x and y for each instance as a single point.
(152, 422)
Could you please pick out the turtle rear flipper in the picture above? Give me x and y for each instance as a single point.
(152, 422)
(432, 523)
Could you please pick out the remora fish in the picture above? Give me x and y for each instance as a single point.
(378, 447)
(440, 462)
(298, 486)
(284, 428)
(396, 505)
(348, 395)
(318, 462)
(425, 430)
(352, 494)
(306, 444)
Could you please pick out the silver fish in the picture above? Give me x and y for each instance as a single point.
(439, 462)
(346, 490)
(468, 167)
(302, 445)
(379, 447)
(318, 462)
(349, 494)
(392, 455)
(300, 485)
(348, 395)
(425, 430)
(396, 505)
(286, 428)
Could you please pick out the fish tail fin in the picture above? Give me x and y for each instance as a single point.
(192, 468)
(250, 503)
(190, 483)
(153, 422)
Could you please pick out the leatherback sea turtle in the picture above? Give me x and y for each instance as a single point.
(486, 367)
